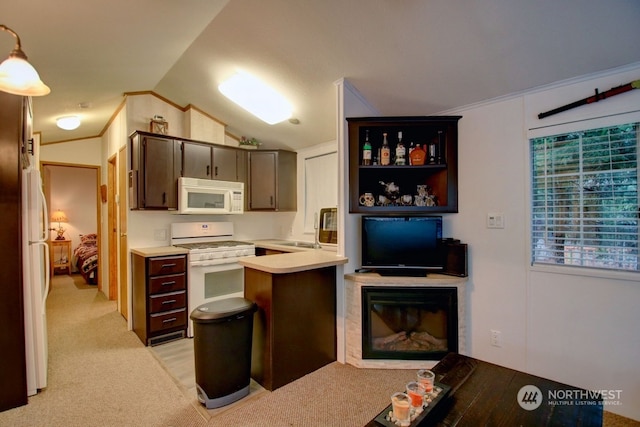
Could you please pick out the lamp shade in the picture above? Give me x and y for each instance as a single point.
(17, 76)
(59, 216)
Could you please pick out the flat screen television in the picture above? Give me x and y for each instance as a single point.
(402, 245)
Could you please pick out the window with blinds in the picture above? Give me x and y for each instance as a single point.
(585, 198)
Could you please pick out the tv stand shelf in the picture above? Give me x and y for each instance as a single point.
(432, 279)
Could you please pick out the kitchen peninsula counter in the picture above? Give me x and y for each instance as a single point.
(293, 262)
(295, 327)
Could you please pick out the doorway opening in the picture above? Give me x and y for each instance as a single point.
(74, 190)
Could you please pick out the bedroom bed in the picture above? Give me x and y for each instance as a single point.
(85, 258)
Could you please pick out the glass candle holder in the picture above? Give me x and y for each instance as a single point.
(401, 405)
(426, 378)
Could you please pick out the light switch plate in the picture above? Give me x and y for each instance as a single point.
(495, 220)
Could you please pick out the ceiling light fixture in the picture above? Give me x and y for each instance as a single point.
(256, 97)
(68, 122)
(17, 76)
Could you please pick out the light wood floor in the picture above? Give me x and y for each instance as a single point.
(177, 357)
(178, 360)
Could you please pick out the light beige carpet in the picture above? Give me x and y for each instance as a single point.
(335, 395)
(100, 374)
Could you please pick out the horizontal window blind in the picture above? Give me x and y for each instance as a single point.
(585, 198)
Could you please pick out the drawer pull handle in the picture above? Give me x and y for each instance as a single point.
(168, 265)
(170, 301)
(173, 319)
(173, 282)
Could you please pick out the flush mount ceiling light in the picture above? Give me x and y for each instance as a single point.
(17, 76)
(68, 122)
(256, 97)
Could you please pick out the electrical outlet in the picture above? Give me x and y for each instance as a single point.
(495, 338)
(495, 220)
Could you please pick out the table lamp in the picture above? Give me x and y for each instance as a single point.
(59, 217)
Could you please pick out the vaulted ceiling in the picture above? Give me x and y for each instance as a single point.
(406, 57)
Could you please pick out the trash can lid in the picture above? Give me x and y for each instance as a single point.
(220, 309)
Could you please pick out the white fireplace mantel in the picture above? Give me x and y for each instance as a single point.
(353, 287)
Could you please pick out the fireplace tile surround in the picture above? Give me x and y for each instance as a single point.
(353, 322)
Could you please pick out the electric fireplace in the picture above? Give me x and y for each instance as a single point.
(409, 323)
(387, 336)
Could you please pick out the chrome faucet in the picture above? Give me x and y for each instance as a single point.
(316, 244)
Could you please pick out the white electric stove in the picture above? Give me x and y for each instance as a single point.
(213, 271)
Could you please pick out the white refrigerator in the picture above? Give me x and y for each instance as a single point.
(36, 277)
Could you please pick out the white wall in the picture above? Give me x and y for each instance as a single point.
(80, 152)
(569, 325)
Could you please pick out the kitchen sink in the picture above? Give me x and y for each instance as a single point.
(298, 244)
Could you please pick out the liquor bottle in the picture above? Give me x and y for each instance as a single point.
(432, 152)
(400, 151)
(366, 150)
(418, 156)
(411, 148)
(385, 151)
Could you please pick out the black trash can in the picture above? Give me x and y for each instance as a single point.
(222, 334)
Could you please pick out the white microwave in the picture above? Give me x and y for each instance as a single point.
(210, 197)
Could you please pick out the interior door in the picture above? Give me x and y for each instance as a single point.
(112, 221)
(123, 250)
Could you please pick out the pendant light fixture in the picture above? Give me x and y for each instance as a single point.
(17, 76)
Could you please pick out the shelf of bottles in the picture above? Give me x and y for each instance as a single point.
(403, 164)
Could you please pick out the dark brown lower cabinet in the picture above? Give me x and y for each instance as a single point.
(159, 297)
(295, 327)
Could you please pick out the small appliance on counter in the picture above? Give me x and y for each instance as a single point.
(328, 227)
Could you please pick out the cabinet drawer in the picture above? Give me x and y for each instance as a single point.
(170, 301)
(167, 265)
(169, 283)
(167, 320)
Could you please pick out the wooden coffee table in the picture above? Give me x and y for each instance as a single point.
(486, 394)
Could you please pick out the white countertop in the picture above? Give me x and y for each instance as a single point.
(297, 259)
(159, 251)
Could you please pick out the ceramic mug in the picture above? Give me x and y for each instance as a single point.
(367, 199)
(407, 199)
